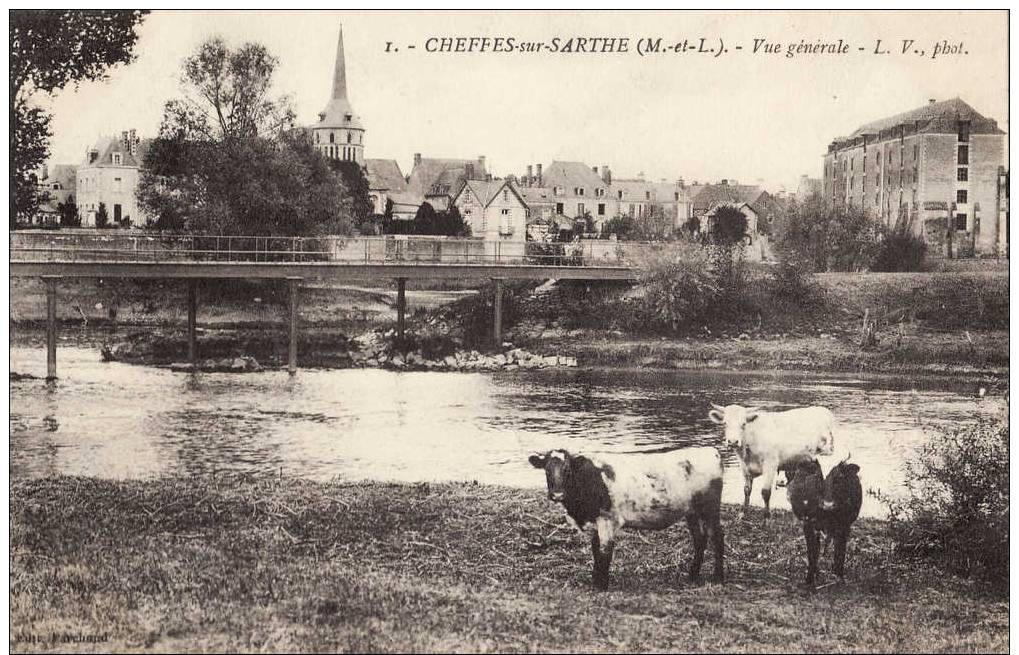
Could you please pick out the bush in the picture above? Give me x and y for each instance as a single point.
(792, 283)
(956, 509)
(899, 252)
(677, 294)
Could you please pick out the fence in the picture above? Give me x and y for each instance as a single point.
(83, 246)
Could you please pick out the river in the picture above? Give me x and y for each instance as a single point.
(123, 421)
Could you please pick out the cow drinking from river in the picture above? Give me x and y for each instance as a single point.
(773, 441)
(650, 492)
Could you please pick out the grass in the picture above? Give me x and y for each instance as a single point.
(231, 564)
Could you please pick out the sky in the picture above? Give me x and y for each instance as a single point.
(742, 115)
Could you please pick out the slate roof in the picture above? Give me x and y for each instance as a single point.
(714, 194)
(107, 146)
(535, 196)
(385, 174)
(933, 116)
(451, 173)
(571, 174)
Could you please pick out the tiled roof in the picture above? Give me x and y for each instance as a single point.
(385, 174)
(715, 194)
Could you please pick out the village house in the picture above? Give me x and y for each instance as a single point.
(109, 177)
(435, 181)
(54, 186)
(933, 170)
(494, 210)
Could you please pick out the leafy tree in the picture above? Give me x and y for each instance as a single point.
(223, 163)
(356, 183)
(622, 225)
(102, 216)
(427, 221)
(729, 227)
(69, 213)
(48, 50)
(728, 235)
(841, 238)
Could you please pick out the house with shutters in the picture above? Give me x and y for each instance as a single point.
(494, 210)
(109, 176)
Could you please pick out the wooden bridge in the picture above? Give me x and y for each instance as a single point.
(53, 256)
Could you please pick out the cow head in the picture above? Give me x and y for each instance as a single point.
(842, 487)
(555, 463)
(734, 418)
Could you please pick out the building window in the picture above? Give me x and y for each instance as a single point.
(350, 137)
(964, 131)
(559, 208)
(601, 208)
(961, 196)
(963, 155)
(916, 152)
(579, 191)
(580, 209)
(332, 138)
(505, 195)
(558, 191)
(963, 175)
(960, 222)
(619, 194)
(117, 159)
(647, 195)
(599, 192)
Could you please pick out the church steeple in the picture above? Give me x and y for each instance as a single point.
(340, 72)
(339, 133)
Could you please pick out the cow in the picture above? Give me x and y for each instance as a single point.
(826, 504)
(773, 441)
(639, 491)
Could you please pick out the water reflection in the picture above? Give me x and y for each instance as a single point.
(121, 421)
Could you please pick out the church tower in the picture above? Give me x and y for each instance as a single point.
(339, 134)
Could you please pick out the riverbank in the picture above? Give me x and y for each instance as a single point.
(930, 324)
(225, 564)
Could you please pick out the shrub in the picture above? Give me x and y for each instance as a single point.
(792, 284)
(900, 251)
(956, 508)
(677, 294)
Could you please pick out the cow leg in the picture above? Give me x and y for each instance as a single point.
(839, 564)
(717, 536)
(813, 546)
(602, 545)
(700, 542)
(766, 485)
(748, 485)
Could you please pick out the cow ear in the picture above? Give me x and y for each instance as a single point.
(716, 416)
(537, 461)
(752, 417)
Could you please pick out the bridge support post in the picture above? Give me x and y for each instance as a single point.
(401, 306)
(292, 359)
(497, 319)
(192, 323)
(51, 326)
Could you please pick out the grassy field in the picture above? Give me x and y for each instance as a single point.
(287, 565)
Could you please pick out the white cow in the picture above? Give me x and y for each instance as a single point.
(773, 441)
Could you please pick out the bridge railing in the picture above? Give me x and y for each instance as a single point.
(150, 247)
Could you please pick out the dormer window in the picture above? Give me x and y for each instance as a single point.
(332, 138)
(619, 194)
(350, 137)
(117, 159)
(348, 117)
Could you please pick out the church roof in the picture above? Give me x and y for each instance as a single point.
(385, 174)
(338, 112)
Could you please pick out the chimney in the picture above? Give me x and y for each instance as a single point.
(481, 160)
(417, 158)
(681, 183)
(469, 171)
(594, 169)
(724, 182)
(539, 176)
(527, 180)
(606, 174)
(931, 101)
(488, 177)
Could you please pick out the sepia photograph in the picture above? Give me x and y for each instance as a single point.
(533, 330)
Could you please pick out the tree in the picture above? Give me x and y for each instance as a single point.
(48, 50)
(356, 183)
(728, 237)
(69, 213)
(224, 164)
(729, 227)
(622, 225)
(102, 216)
(829, 238)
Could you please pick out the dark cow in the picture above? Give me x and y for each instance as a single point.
(648, 492)
(826, 504)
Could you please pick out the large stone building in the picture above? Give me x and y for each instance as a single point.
(109, 176)
(339, 132)
(436, 181)
(933, 170)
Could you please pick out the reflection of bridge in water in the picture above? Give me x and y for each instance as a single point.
(115, 255)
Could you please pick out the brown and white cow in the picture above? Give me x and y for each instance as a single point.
(773, 441)
(649, 492)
